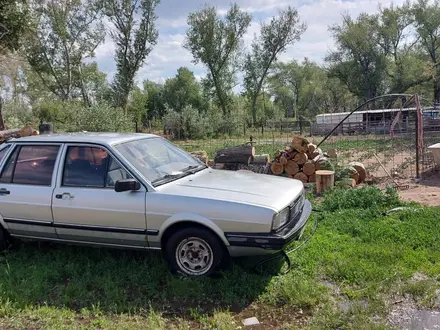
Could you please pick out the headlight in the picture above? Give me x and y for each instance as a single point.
(281, 219)
(284, 217)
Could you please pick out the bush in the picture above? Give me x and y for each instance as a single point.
(190, 124)
(74, 117)
(16, 114)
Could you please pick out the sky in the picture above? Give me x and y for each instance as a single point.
(168, 54)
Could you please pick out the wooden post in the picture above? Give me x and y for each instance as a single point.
(324, 180)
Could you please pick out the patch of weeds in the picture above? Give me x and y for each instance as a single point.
(425, 292)
(367, 197)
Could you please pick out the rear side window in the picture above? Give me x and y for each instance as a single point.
(31, 165)
(3, 152)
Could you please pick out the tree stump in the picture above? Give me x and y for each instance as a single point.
(324, 180)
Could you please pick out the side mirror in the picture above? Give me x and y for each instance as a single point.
(127, 185)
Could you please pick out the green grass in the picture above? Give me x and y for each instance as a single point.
(340, 279)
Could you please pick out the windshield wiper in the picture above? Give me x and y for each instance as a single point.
(192, 167)
(183, 172)
(167, 177)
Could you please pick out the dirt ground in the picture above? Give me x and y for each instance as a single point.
(424, 191)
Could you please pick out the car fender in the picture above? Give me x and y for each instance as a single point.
(192, 217)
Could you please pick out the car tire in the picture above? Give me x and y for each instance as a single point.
(4, 239)
(194, 252)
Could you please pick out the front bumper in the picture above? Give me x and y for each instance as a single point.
(274, 240)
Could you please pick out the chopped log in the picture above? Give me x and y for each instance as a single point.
(309, 168)
(312, 178)
(311, 148)
(324, 180)
(332, 153)
(277, 154)
(277, 168)
(283, 160)
(360, 168)
(291, 168)
(354, 174)
(317, 152)
(300, 158)
(261, 159)
(239, 155)
(16, 133)
(300, 144)
(301, 177)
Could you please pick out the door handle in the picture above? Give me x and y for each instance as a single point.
(4, 191)
(64, 196)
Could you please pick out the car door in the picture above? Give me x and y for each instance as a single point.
(86, 207)
(27, 181)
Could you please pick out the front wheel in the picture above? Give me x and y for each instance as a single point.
(194, 252)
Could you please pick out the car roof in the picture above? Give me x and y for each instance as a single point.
(84, 137)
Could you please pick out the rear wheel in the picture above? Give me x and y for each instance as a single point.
(194, 252)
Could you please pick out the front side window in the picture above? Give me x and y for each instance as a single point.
(31, 165)
(157, 159)
(91, 167)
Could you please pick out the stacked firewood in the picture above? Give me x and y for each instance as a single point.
(300, 160)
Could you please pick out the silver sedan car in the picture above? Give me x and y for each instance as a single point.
(140, 191)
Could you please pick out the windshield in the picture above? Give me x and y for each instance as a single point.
(159, 160)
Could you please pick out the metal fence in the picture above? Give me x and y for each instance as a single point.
(392, 145)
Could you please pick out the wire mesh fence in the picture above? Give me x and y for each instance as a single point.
(389, 136)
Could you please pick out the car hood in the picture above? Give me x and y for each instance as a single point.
(237, 186)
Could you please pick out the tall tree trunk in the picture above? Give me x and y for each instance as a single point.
(436, 91)
(254, 111)
(2, 123)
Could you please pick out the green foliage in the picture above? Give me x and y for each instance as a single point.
(281, 32)
(364, 197)
(74, 116)
(16, 114)
(134, 39)
(190, 123)
(215, 42)
(13, 20)
(183, 90)
(62, 36)
(358, 62)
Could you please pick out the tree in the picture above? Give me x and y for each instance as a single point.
(183, 90)
(405, 66)
(305, 89)
(358, 62)
(427, 24)
(64, 34)
(155, 99)
(134, 41)
(275, 37)
(215, 42)
(13, 24)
